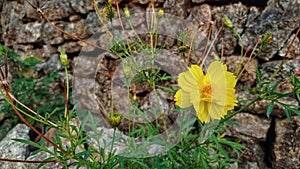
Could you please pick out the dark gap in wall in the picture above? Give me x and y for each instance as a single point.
(268, 145)
(276, 57)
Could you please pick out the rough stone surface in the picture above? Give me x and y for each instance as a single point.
(294, 52)
(228, 40)
(14, 150)
(247, 75)
(249, 126)
(287, 143)
(201, 15)
(148, 1)
(283, 75)
(177, 7)
(23, 29)
(280, 18)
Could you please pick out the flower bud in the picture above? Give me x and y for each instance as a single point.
(161, 13)
(127, 13)
(63, 58)
(115, 119)
(126, 69)
(227, 22)
(266, 39)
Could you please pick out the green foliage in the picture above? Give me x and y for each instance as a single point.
(266, 90)
(31, 90)
(204, 146)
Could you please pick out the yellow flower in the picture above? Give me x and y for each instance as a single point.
(211, 95)
(161, 13)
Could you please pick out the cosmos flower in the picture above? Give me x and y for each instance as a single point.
(211, 94)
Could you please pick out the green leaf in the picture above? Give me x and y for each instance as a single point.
(27, 142)
(270, 109)
(32, 61)
(295, 111)
(288, 113)
(273, 87)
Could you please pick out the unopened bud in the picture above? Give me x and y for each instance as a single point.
(63, 58)
(127, 13)
(115, 119)
(266, 39)
(227, 22)
(134, 97)
(126, 69)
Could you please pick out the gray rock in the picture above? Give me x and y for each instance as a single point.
(280, 18)
(71, 47)
(58, 10)
(177, 7)
(294, 52)
(12, 149)
(201, 15)
(283, 75)
(30, 33)
(249, 127)
(247, 77)
(227, 39)
(92, 22)
(77, 29)
(205, 1)
(287, 144)
(53, 64)
(81, 6)
(10, 22)
(51, 35)
(148, 1)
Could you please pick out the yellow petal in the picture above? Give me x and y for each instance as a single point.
(217, 74)
(182, 99)
(202, 111)
(187, 82)
(216, 111)
(197, 72)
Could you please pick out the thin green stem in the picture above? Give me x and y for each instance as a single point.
(160, 109)
(129, 106)
(112, 145)
(241, 109)
(41, 120)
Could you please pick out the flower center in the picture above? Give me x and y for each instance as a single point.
(206, 92)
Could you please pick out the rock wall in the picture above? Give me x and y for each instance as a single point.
(24, 30)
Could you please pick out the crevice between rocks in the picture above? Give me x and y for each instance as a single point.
(268, 145)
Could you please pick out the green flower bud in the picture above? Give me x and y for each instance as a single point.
(126, 69)
(266, 39)
(127, 13)
(227, 22)
(115, 119)
(63, 58)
